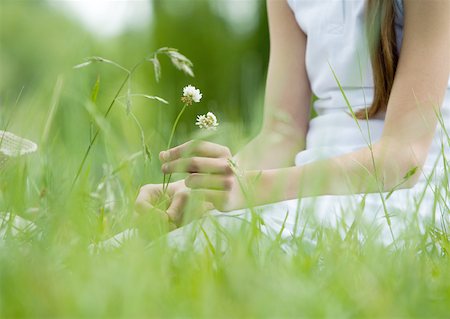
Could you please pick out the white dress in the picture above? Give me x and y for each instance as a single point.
(336, 37)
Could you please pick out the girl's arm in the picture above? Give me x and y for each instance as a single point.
(286, 116)
(419, 87)
(287, 97)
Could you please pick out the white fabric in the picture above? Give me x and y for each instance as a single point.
(13, 146)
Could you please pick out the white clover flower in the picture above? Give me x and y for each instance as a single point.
(207, 121)
(191, 95)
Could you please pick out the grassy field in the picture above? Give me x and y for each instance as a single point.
(49, 269)
(51, 216)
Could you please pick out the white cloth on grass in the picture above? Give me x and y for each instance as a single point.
(12, 146)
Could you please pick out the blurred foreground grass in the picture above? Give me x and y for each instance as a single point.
(48, 270)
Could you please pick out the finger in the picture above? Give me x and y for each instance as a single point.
(151, 218)
(149, 192)
(209, 181)
(143, 207)
(219, 199)
(150, 196)
(187, 204)
(202, 165)
(195, 148)
(175, 210)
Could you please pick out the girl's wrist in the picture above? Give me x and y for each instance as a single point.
(272, 185)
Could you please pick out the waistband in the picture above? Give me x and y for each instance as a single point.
(359, 98)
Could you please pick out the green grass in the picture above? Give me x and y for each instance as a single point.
(49, 271)
(55, 276)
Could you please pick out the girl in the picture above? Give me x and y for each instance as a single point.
(380, 73)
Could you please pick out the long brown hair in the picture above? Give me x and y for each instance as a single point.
(380, 17)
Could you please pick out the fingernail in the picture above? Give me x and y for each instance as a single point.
(166, 156)
(164, 167)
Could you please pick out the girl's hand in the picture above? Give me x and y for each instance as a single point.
(210, 173)
(166, 209)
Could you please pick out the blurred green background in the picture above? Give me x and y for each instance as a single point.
(41, 41)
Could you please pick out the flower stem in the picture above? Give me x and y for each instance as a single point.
(175, 124)
(97, 132)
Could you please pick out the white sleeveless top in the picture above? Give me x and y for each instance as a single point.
(336, 40)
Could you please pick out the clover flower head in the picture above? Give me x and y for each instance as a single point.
(207, 121)
(191, 95)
